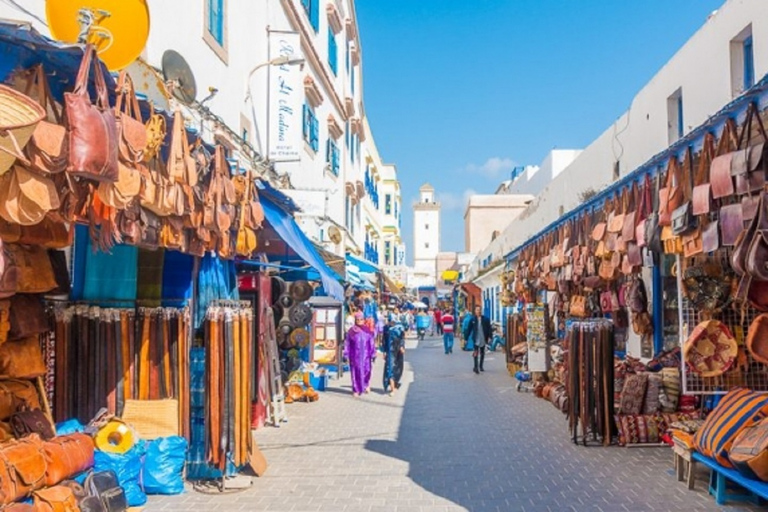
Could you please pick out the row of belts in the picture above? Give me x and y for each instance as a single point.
(104, 357)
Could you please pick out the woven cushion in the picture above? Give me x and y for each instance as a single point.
(652, 394)
(633, 394)
(739, 409)
(670, 380)
(749, 453)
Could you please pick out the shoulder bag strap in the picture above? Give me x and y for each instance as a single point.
(746, 128)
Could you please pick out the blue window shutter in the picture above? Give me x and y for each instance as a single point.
(332, 51)
(680, 123)
(749, 63)
(305, 123)
(314, 14)
(216, 20)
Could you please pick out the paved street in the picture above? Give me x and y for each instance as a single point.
(451, 440)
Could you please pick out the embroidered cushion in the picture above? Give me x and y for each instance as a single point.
(633, 394)
(652, 394)
(670, 380)
(739, 409)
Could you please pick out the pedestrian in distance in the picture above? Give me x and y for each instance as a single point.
(360, 350)
(447, 320)
(393, 347)
(479, 332)
(438, 315)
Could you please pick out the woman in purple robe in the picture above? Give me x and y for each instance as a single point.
(359, 349)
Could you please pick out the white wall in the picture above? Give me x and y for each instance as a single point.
(702, 68)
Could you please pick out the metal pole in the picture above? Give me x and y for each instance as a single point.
(269, 87)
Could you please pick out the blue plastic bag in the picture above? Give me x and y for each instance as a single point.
(127, 467)
(164, 465)
(72, 426)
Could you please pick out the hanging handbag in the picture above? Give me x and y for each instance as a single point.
(628, 233)
(27, 316)
(702, 195)
(22, 359)
(16, 395)
(181, 167)
(671, 196)
(731, 223)
(93, 137)
(645, 208)
(720, 170)
(47, 149)
(710, 237)
(26, 197)
(155, 131)
(747, 163)
(33, 268)
(756, 262)
(616, 218)
(132, 133)
(682, 220)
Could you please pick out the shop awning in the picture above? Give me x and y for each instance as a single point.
(472, 290)
(358, 280)
(285, 226)
(362, 265)
(450, 275)
(390, 285)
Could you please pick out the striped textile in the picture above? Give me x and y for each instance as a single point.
(739, 409)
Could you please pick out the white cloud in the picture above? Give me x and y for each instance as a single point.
(453, 201)
(492, 167)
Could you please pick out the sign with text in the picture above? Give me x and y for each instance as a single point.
(285, 97)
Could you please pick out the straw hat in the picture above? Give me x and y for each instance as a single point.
(711, 349)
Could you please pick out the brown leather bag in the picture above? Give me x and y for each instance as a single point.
(9, 272)
(49, 233)
(671, 196)
(33, 265)
(22, 468)
(710, 237)
(132, 132)
(628, 233)
(645, 208)
(55, 499)
(702, 195)
(32, 421)
(26, 197)
(27, 316)
(15, 394)
(747, 165)
(47, 149)
(122, 192)
(22, 359)
(720, 170)
(756, 262)
(616, 219)
(67, 456)
(731, 223)
(93, 137)
(181, 167)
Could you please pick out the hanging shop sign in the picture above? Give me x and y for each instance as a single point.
(285, 93)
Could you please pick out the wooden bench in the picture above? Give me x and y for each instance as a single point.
(718, 485)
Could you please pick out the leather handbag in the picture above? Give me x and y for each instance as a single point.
(181, 166)
(608, 271)
(671, 196)
(172, 233)
(744, 241)
(22, 359)
(749, 206)
(22, 468)
(123, 191)
(55, 499)
(32, 421)
(17, 394)
(682, 218)
(756, 262)
(105, 485)
(731, 223)
(720, 170)
(26, 197)
(616, 220)
(27, 316)
(578, 306)
(702, 195)
(747, 165)
(47, 149)
(155, 128)
(33, 268)
(628, 233)
(693, 243)
(132, 133)
(93, 137)
(49, 233)
(67, 456)
(710, 237)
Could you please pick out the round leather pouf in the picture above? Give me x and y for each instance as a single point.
(301, 290)
(286, 301)
(300, 315)
(278, 287)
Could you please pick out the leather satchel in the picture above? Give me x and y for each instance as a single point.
(749, 206)
(155, 131)
(104, 484)
(628, 233)
(55, 499)
(181, 166)
(720, 170)
(22, 359)
(47, 149)
(616, 219)
(26, 197)
(32, 421)
(33, 267)
(702, 195)
(133, 133)
(67, 456)
(15, 394)
(757, 254)
(710, 237)
(682, 218)
(27, 316)
(122, 192)
(731, 223)
(645, 208)
(22, 468)
(747, 162)
(93, 137)
(608, 271)
(671, 196)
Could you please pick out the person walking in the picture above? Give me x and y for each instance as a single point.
(393, 347)
(438, 321)
(447, 321)
(479, 332)
(360, 350)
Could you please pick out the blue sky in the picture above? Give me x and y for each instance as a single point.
(457, 92)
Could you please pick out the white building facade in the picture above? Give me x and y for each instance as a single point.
(426, 238)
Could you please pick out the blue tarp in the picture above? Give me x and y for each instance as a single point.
(286, 227)
(362, 265)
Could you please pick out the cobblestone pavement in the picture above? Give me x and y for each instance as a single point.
(450, 440)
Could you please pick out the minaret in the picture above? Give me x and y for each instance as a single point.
(426, 232)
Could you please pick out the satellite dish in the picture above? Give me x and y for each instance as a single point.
(178, 75)
(117, 28)
(334, 234)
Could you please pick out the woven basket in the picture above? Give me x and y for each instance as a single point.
(19, 115)
(152, 418)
